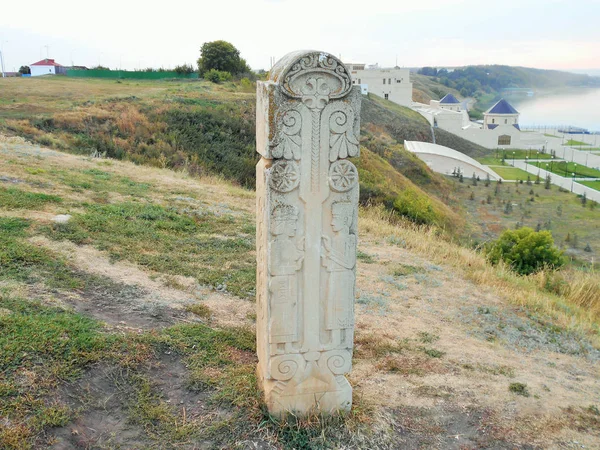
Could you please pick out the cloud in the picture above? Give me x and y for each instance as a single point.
(450, 32)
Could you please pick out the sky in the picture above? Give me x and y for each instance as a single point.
(132, 34)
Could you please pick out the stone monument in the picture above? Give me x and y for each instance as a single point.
(307, 125)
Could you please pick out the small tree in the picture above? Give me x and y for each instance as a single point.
(548, 181)
(472, 196)
(461, 178)
(528, 180)
(221, 56)
(487, 180)
(588, 248)
(525, 250)
(474, 179)
(559, 210)
(24, 70)
(583, 199)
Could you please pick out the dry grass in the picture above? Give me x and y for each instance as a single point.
(576, 305)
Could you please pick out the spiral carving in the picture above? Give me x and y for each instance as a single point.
(283, 368)
(339, 362)
(338, 122)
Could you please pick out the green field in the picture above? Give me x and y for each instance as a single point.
(560, 212)
(567, 169)
(573, 142)
(495, 157)
(510, 173)
(591, 184)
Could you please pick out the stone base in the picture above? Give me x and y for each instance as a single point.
(305, 397)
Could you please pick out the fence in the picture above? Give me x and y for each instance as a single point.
(126, 74)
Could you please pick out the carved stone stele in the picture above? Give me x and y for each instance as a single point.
(307, 125)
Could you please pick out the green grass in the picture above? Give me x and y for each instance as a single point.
(46, 346)
(22, 261)
(573, 142)
(549, 209)
(13, 198)
(98, 181)
(50, 346)
(567, 169)
(519, 389)
(495, 157)
(551, 135)
(591, 184)
(215, 250)
(510, 173)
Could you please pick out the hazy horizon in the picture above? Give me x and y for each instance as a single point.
(134, 35)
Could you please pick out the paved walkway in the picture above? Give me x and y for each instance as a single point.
(564, 182)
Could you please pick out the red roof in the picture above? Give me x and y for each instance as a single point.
(46, 62)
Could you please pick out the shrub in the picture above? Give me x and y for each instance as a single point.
(217, 76)
(184, 69)
(525, 250)
(416, 207)
(247, 85)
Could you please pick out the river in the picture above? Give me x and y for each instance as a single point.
(579, 107)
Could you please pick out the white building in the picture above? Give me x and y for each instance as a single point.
(502, 113)
(47, 67)
(392, 84)
(448, 103)
(500, 128)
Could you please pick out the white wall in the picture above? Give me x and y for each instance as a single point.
(500, 119)
(489, 138)
(42, 70)
(445, 165)
(449, 122)
(397, 86)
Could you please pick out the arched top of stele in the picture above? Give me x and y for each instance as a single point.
(294, 70)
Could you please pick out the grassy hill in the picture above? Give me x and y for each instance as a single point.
(132, 325)
(427, 88)
(206, 129)
(405, 124)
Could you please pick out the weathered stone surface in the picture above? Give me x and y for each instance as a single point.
(307, 126)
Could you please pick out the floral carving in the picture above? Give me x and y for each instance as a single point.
(343, 142)
(313, 64)
(289, 144)
(316, 92)
(343, 176)
(285, 176)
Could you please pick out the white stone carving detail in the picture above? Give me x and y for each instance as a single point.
(285, 177)
(343, 175)
(307, 208)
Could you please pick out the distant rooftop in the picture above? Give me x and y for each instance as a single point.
(449, 99)
(46, 62)
(502, 107)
